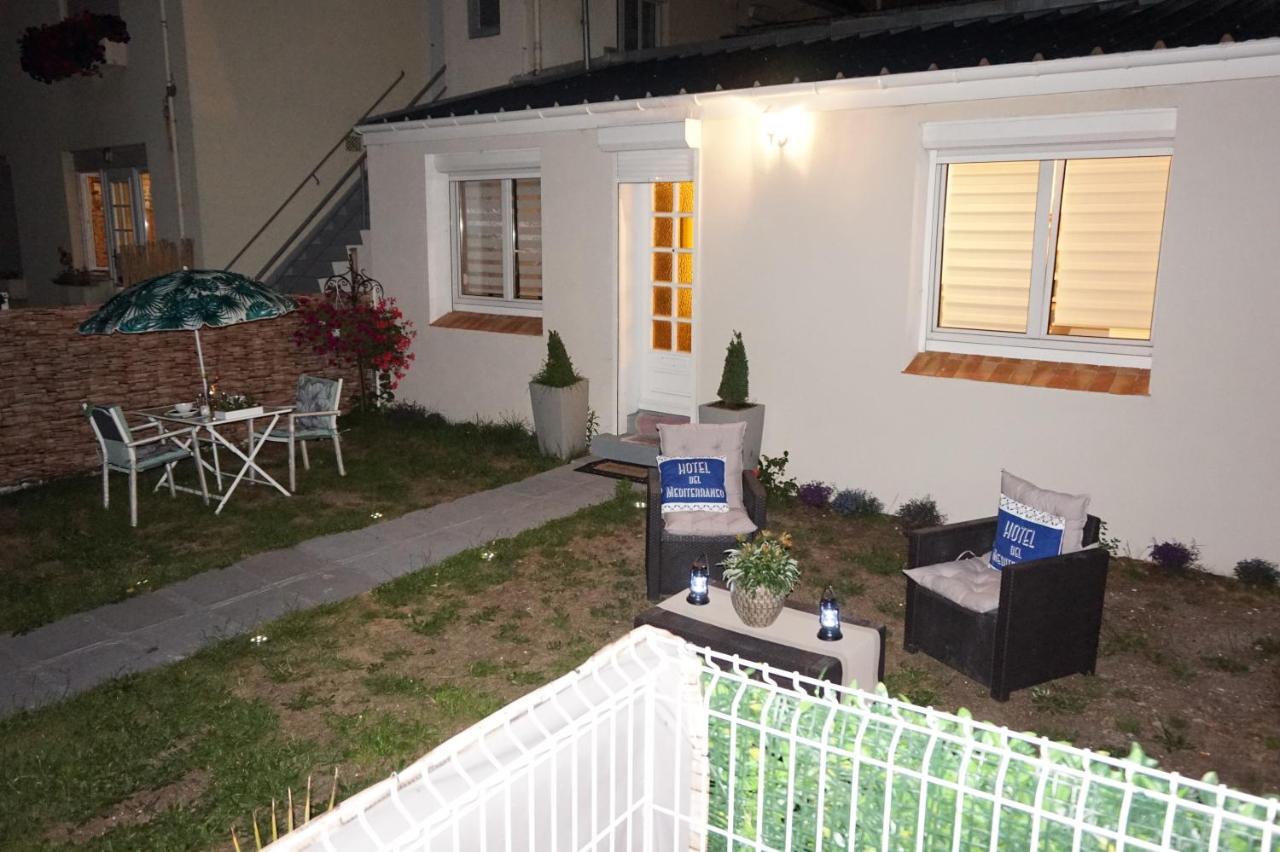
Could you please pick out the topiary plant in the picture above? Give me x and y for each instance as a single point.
(734, 384)
(856, 503)
(557, 371)
(919, 512)
(1174, 556)
(1258, 572)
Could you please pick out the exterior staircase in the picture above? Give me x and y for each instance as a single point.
(639, 445)
(323, 251)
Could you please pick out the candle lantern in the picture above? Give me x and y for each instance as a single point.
(829, 617)
(699, 577)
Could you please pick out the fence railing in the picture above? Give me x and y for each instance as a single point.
(653, 744)
(138, 263)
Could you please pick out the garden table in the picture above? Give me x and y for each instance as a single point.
(212, 427)
(789, 644)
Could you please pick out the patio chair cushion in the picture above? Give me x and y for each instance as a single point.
(298, 433)
(1035, 523)
(692, 484)
(316, 394)
(968, 582)
(155, 455)
(727, 524)
(709, 440)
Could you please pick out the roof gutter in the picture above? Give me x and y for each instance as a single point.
(1202, 64)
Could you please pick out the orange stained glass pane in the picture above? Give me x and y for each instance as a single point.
(662, 198)
(662, 301)
(684, 304)
(684, 337)
(662, 232)
(686, 268)
(686, 232)
(661, 266)
(662, 335)
(686, 197)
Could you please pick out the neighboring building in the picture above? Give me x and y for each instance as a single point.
(1070, 203)
(262, 91)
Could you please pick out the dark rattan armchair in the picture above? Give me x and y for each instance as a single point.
(667, 557)
(1046, 625)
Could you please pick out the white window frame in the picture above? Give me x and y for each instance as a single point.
(1052, 140)
(508, 304)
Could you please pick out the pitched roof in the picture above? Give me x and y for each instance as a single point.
(991, 32)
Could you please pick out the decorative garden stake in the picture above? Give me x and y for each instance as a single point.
(829, 617)
(698, 578)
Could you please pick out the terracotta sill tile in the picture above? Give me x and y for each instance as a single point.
(499, 323)
(1089, 378)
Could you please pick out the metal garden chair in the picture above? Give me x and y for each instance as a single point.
(121, 451)
(314, 417)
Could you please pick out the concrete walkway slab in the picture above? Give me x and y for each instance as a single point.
(84, 650)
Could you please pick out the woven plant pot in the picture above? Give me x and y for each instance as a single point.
(757, 607)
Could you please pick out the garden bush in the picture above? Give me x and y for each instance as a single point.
(1258, 572)
(919, 512)
(773, 476)
(815, 495)
(1174, 556)
(856, 503)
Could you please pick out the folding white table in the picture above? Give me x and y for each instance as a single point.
(212, 427)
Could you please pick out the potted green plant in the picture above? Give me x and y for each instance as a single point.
(760, 574)
(733, 405)
(559, 397)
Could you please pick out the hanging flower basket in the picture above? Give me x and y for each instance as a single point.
(70, 48)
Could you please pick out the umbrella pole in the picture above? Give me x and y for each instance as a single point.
(200, 356)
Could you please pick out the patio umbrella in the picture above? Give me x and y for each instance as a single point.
(188, 300)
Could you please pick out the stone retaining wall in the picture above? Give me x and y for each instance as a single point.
(47, 369)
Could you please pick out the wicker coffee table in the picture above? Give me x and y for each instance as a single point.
(863, 642)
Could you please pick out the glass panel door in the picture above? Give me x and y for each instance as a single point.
(671, 308)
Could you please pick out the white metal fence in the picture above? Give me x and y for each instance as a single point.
(653, 744)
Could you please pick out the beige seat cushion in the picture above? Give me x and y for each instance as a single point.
(708, 440)
(721, 524)
(972, 583)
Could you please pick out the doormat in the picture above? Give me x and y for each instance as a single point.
(616, 470)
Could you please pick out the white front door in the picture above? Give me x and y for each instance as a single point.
(663, 294)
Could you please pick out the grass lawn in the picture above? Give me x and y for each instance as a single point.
(61, 552)
(170, 759)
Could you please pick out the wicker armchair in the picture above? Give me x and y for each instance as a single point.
(667, 557)
(1047, 623)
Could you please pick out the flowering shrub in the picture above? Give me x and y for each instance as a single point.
(814, 494)
(856, 503)
(765, 563)
(371, 335)
(72, 47)
(1174, 556)
(919, 512)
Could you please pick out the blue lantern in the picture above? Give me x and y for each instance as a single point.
(829, 617)
(699, 578)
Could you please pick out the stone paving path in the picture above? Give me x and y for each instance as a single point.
(173, 622)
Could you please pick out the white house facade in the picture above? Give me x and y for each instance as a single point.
(1065, 267)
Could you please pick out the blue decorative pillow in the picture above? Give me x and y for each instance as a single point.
(692, 484)
(1024, 533)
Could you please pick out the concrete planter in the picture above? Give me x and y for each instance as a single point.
(757, 607)
(560, 418)
(752, 415)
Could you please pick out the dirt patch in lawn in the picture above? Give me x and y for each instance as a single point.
(139, 808)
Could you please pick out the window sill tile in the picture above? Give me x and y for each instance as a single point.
(1123, 381)
(498, 323)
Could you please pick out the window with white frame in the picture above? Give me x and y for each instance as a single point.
(1048, 249)
(497, 233)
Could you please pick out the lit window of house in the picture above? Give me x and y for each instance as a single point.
(497, 258)
(1052, 252)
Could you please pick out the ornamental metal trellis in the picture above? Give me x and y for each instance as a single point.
(653, 744)
(352, 286)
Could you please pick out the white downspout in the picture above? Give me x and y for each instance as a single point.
(170, 90)
(537, 36)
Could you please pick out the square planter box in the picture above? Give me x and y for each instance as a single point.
(752, 415)
(560, 418)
